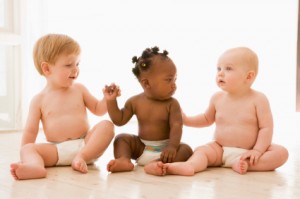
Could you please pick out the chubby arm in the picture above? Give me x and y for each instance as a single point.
(204, 119)
(31, 128)
(265, 124)
(175, 123)
(97, 107)
(118, 116)
(265, 130)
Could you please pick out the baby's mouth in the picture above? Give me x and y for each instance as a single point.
(221, 81)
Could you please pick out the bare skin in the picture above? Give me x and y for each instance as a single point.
(238, 112)
(159, 118)
(62, 108)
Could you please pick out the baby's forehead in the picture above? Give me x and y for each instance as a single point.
(163, 64)
(161, 60)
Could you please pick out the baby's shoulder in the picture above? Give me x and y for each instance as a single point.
(37, 99)
(218, 95)
(78, 86)
(258, 95)
(260, 99)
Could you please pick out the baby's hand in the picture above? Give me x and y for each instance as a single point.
(111, 92)
(168, 154)
(252, 155)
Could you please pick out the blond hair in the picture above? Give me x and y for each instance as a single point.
(49, 47)
(248, 56)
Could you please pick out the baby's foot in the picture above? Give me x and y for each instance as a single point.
(179, 168)
(21, 171)
(155, 168)
(79, 164)
(119, 165)
(240, 166)
(13, 170)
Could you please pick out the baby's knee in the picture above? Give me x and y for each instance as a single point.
(107, 126)
(29, 146)
(184, 152)
(123, 137)
(283, 154)
(186, 149)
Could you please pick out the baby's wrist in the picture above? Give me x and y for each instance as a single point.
(258, 151)
(175, 146)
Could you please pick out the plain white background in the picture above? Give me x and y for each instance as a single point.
(194, 32)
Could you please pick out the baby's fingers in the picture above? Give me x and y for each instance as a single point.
(252, 160)
(245, 156)
(167, 157)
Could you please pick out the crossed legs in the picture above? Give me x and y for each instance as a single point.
(211, 155)
(35, 157)
(127, 147)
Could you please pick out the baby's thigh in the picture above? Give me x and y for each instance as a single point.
(103, 130)
(183, 153)
(131, 143)
(47, 151)
(213, 152)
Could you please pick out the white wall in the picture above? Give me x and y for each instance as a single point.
(195, 32)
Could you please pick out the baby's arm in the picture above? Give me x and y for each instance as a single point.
(118, 116)
(97, 107)
(204, 119)
(175, 123)
(31, 128)
(265, 122)
(265, 129)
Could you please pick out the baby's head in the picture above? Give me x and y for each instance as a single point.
(156, 72)
(242, 57)
(49, 47)
(144, 63)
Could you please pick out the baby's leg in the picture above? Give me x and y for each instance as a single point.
(96, 142)
(274, 157)
(184, 152)
(155, 168)
(24, 171)
(34, 158)
(203, 156)
(126, 147)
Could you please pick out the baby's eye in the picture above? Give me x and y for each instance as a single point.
(228, 68)
(218, 68)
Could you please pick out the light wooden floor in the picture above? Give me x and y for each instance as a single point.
(63, 182)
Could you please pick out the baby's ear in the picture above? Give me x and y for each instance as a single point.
(145, 83)
(45, 68)
(251, 75)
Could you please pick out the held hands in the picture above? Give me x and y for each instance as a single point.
(168, 154)
(252, 155)
(111, 92)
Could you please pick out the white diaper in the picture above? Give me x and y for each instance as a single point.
(231, 155)
(152, 151)
(67, 151)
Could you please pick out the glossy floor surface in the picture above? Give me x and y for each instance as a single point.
(63, 182)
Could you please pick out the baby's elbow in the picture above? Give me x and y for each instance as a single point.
(118, 122)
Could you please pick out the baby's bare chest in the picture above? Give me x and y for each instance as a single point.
(239, 113)
(63, 105)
